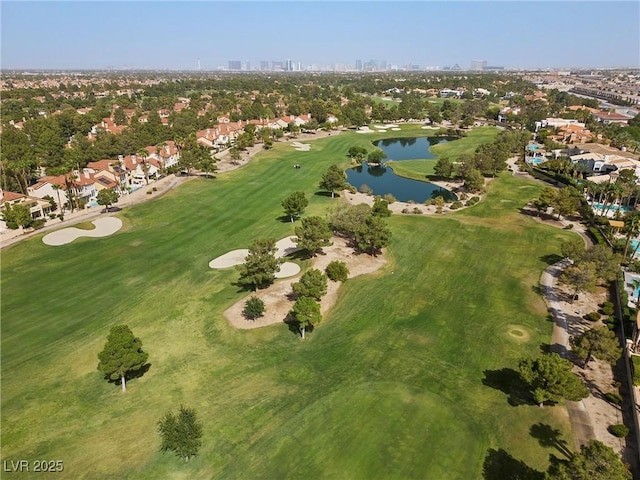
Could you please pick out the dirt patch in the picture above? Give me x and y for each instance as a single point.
(276, 297)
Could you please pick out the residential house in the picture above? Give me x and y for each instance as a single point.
(168, 154)
(611, 117)
(141, 170)
(37, 207)
(113, 170)
(50, 186)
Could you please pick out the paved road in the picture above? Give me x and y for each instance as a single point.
(580, 421)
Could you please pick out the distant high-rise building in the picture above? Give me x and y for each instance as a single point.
(478, 65)
(383, 65)
(277, 66)
(358, 65)
(264, 65)
(288, 65)
(235, 65)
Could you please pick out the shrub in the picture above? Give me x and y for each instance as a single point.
(593, 316)
(404, 210)
(613, 397)
(351, 189)
(463, 196)
(149, 192)
(619, 430)
(417, 211)
(635, 363)
(38, 223)
(337, 271)
(154, 189)
(569, 227)
(430, 201)
(472, 201)
(253, 308)
(607, 308)
(456, 205)
(390, 198)
(411, 202)
(366, 189)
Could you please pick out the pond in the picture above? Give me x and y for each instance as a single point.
(382, 180)
(409, 148)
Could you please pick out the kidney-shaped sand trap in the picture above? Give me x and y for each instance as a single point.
(103, 227)
(285, 247)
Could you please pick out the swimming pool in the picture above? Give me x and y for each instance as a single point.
(533, 147)
(535, 160)
(611, 209)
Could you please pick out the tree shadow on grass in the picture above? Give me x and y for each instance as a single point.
(130, 375)
(324, 193)
(509, 381)
(551, 258)
(285, 219)
(548, 436)
(500, 465)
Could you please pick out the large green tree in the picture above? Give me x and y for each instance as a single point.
(122, 355)
(333, 180)
(579, 276)
(313, 234)
(313, 283)
(260, 265)
(550, 378)
(107, 197)
(181, 433)
(373, 235)
(599, 342)
(295, 204)
(306, 312)
(595, 461)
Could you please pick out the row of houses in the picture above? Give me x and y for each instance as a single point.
(126, 174)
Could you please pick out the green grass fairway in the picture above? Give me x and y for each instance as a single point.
(390, 385)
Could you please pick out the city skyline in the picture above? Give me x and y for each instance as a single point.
(210, 35)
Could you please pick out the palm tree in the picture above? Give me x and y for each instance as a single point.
(57, 189)
(631, 229)
(142, 153)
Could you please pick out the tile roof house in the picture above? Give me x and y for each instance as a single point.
(38, 207)
(611, 117)
(167, 153)
(52, 186)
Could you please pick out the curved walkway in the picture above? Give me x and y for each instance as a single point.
(580, 420)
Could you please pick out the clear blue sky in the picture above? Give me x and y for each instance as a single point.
(173, 35)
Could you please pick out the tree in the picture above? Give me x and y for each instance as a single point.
(17, 215)
(573, 249)
(260, 265)
(357, 153)
(295, 204)
(253, 308)
(473, 180)
(348, 219)
(373, 235)
(443, 168)
(376, 156)
(631, 229)
(333, 180)
(107, 197)
(581, 277)
(337, 271)
(380, 208)
(599, 342)
(595, 461)
(122, 355)
(313, 283)
(306, 312)
(181, 433)
(313, 234)
(550, 378)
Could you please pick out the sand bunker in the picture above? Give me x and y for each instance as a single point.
(285, 246)
(364, 129)
(103, 227)
(301, 147)
(396, 129)
(429, 127)
(288, 269)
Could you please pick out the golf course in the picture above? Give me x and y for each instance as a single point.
(392, 383)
